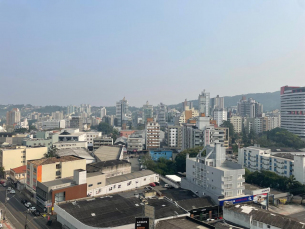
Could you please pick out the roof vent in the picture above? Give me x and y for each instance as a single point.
(92, 214)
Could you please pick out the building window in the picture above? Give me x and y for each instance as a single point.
(90, 185)
(98, 183)
(254, 223)
(119, 186)
(260, 224)
(58, 166)
(129, 183)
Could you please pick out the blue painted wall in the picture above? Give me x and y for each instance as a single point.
(156, 154)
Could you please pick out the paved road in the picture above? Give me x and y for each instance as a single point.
(299, 216)
(16, 212)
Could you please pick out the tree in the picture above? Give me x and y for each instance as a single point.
(21, 130)
(2, 172)
(181, 157)
(51, 152)
(105, 128)
(229, 125)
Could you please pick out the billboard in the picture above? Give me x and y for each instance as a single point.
(142, 223)
(236, 200)
(261, 191)
(260, 199)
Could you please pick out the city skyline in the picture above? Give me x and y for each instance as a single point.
(83, 54)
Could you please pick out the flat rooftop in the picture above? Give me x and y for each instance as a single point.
(115, 210)
(75, 152)
(284, 155)
(129, 176)
(187, 199)
(180, 223)
(261, 215)
(279, 149)
(58, 182)
(252, 187)
(51, 160)
(107, 153)
(97, 166)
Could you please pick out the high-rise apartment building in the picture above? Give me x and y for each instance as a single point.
(187, 105)
(121, 111)
(152, 135)
(58, 115)
(173, 137)
(293, 110)
(204, 103)
(220, 115)
(76, 122)
(249, 108)
(217, 103)
(103, 112)
(162, 115)
(13, 117)
(71, 109)
(148, 112)
(237, 123)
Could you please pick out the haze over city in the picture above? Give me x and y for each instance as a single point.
(72, 52)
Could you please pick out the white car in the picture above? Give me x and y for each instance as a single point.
(28, 204)
(1, 225)
(12, 191)
(32, 209)
(9, 188)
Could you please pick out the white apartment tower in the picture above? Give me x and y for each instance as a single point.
(212, 175)
(204, 103)
(220, 115)
(103, 112)
(13, 117)
(293, 110)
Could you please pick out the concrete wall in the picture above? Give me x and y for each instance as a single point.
(95, 182)
(67, 168)
(124, 186)
(118, 170)
(36, 153)
(12, 158)
(48, 172)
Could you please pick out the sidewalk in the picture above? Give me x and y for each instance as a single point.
(7, 225)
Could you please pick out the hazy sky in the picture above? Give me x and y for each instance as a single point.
(97, 52)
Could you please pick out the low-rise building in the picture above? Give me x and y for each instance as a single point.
(52, 168)
(110, 168)
(135, 142)
(71, 145)
(16, 156)
(120, 183)
(282, 161)
(121, 212)
(82, 153)
(102, 141)
(107, 153)
(90, 136)
(249, 216)
(53, 124)
(76, 136)
(41, 139)
(156, 154)
(19, 173)
(70, 188)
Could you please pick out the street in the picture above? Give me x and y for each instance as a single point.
(16, 212)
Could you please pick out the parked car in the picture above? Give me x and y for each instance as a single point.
(36, 213)
(32, 209)
(152, 184)
(2, 182)
(12, 191)
(166, 185)
(157, 183)
(9, 188)
(23, 201)
(147, 188)
(28, 204)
